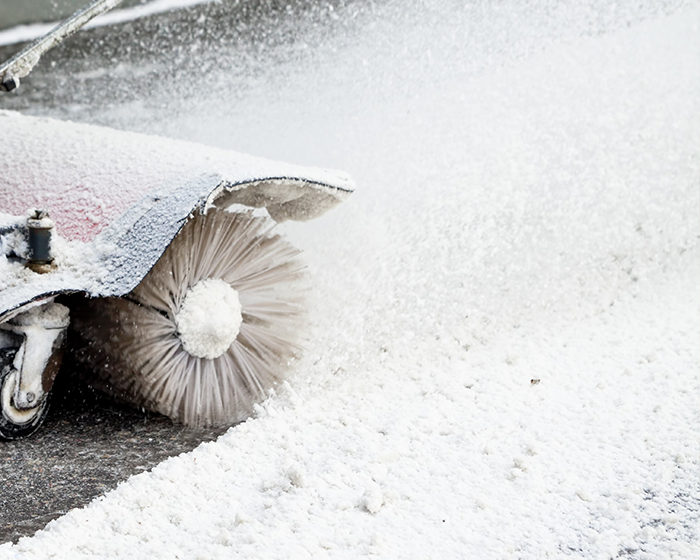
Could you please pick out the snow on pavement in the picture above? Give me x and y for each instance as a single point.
(503, 357)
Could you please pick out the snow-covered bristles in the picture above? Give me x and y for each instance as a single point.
(134, 345)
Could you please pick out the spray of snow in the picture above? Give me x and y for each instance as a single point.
(209, 319)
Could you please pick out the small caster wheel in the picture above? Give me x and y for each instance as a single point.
(16, 423)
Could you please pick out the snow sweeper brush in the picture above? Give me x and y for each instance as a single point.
(154, 262)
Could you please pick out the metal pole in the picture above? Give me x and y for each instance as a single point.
(22, 63)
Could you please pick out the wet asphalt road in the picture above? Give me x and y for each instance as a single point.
(173, 57)
(89, 444)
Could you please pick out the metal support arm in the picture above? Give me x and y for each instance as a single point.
(22, 63)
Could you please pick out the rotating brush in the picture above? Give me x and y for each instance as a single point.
(209, 330)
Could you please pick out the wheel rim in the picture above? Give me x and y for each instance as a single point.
(12, 414)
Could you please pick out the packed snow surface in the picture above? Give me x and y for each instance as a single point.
(503, 355)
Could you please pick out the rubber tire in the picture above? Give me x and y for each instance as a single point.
(10, 429)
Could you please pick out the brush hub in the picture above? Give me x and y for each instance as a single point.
(209, 318)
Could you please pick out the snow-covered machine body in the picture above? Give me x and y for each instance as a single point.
(126, 195)
(153, 258)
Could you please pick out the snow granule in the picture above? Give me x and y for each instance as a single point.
(373, 498)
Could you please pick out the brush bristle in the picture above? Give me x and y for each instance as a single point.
(132, 343)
